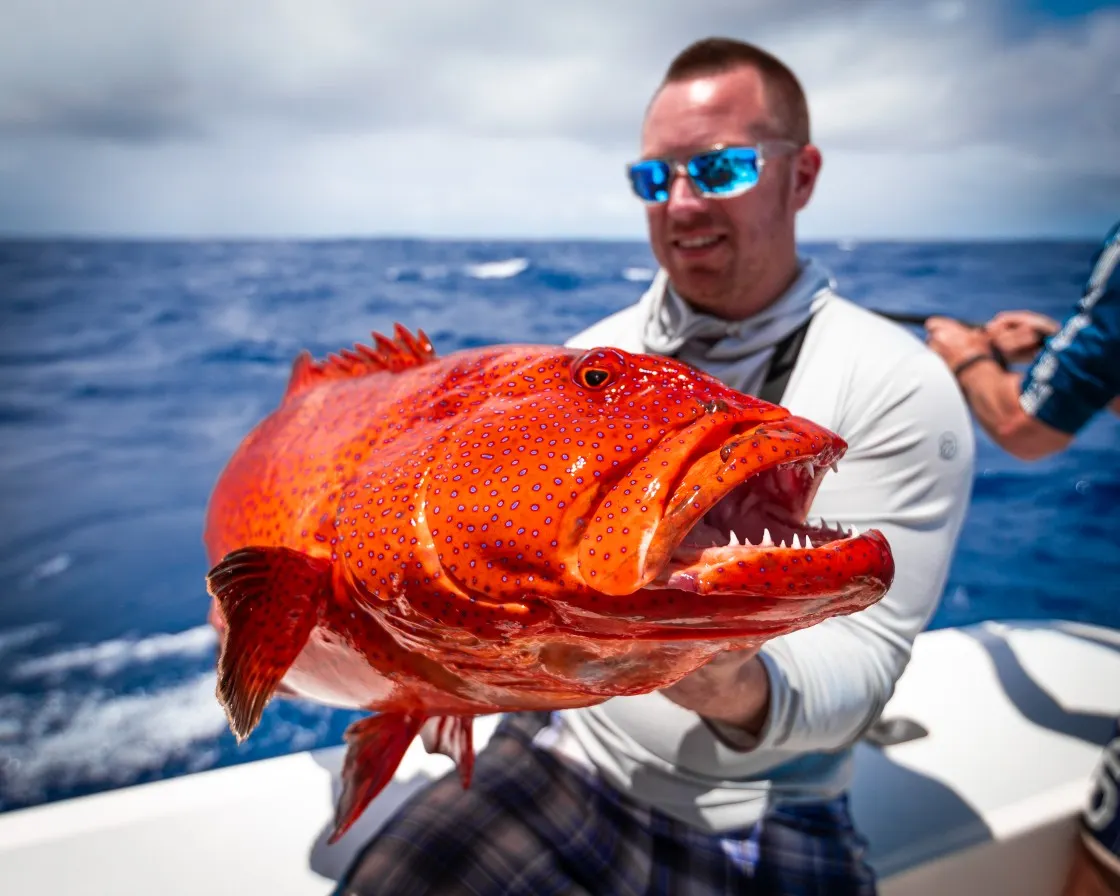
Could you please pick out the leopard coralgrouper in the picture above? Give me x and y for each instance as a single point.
(510, 528)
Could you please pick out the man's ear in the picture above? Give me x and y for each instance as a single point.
(806, 169)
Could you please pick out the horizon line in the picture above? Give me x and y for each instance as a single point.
(62, 237)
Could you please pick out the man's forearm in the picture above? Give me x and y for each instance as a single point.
(734, 688)
(993, 395)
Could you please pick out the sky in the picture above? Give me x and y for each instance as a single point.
(514, 118)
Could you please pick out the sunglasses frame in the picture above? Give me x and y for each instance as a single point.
(762, 150)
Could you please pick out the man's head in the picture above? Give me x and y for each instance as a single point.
(730, 256)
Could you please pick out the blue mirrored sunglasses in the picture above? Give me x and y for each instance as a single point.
(720, 173)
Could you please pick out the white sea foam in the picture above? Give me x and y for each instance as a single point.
(959, 599)
(497, 270)
(55, 566)
(110, 657)
(63, 738)
(638, 275)
(28, 634)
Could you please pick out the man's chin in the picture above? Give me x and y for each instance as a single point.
(703, 288)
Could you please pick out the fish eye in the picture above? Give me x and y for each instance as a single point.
(594, 377)
(598, 367)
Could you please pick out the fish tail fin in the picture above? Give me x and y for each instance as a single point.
(454, 736)
(269, 599)
(376, 746)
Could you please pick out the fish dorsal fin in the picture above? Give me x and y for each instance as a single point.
(402, 352)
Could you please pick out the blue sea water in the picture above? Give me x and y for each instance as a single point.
(129, 372)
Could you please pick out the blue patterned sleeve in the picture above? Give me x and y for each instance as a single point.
(1078, 371)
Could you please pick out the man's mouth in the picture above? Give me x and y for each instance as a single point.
(696, 245)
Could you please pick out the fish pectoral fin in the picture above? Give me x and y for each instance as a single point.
(453, 736)
(269, 598)
(376, 746)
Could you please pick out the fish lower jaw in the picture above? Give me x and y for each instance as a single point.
(798, 535)
(690, 568)
(761, 527)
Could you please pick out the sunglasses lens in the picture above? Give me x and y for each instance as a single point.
(731, 170)
(650, 180)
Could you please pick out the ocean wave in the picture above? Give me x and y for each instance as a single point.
(28, 634)
(496, 270)
(63, 739)
(48, 569)
(405, 274)
(109, 657)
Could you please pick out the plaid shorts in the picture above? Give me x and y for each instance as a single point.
(531, 825)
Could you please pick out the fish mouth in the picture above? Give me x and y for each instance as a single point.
(735, 526)
(757, 503)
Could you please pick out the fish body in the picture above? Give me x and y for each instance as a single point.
(510, 528)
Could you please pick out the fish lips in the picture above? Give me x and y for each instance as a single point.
(647, 515)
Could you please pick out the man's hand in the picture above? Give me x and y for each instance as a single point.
(1019, 334)
(954, 341)
(733, 688)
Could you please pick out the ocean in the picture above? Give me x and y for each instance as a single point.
(129, 372)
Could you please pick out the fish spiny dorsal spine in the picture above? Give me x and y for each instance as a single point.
(406, 350)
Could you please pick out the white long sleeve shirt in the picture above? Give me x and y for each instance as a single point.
(908, 472)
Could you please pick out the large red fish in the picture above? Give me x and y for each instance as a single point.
(510, 528)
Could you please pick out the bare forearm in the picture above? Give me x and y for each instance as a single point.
(734, 688)
(993, 395)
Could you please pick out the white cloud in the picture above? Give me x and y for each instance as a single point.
(501, 117)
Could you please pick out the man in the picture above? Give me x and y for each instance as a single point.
(1073, 378)
(734, 779)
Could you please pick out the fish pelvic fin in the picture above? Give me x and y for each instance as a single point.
(269, 598)
(405, 350)
(453, 736)
(376, 747)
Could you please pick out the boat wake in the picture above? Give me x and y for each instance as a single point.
(110, 657)
(62, 740)
(87, 717)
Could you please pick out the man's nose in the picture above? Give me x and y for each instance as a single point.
(684, 199)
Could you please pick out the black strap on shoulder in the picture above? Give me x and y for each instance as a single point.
(782, 363)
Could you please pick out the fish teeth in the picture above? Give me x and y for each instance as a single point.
(808, 543)
(766, 540)
(796, 543)
(734, 540)
(854, 533)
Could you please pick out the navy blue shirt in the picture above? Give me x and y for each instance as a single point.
(1077, 373)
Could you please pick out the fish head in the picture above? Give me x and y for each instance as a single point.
(633, 494)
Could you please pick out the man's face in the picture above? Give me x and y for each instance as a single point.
(717, 251)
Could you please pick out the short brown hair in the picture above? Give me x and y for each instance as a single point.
(716, 55)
